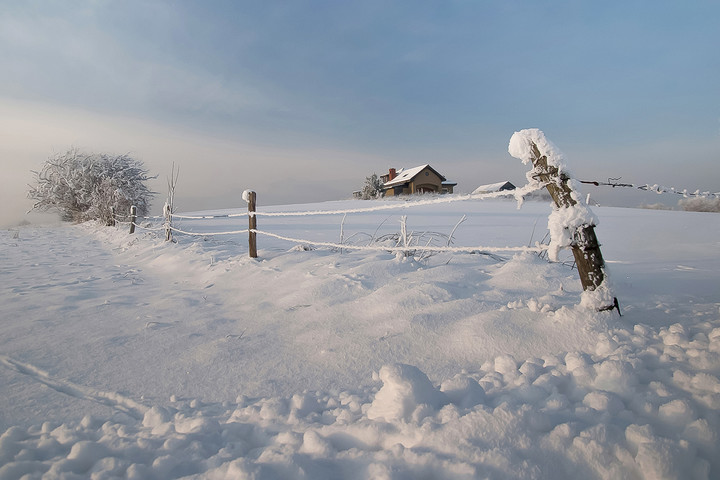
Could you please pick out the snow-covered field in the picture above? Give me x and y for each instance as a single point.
(127, 357)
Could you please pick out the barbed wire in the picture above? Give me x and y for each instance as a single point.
(398, 205)
(206, 217)
(406, 204)
(118, 217)
(207, 234)
(518, 193)
(655, 188)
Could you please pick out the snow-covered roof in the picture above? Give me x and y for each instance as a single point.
(494, 187)
(404, 176)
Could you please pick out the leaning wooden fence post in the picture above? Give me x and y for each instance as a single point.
(133, 217)
(252, 223)
(584, 245)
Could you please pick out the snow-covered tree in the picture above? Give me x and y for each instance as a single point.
(373, 188)
(88, 186)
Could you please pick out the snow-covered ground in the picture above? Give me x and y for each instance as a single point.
(127, 357)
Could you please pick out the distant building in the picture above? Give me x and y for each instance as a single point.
(422, 179)
(494, 187)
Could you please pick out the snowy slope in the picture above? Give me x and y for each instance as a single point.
(125, 356)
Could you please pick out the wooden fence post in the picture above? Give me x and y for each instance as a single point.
(252, 222)
(133, 217)
(585, 246)
(168, 222)
(111, 221)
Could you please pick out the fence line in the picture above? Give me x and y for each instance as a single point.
(428, 248)
(377, 248)
(518, 192)
(528, 188)
(575, 231)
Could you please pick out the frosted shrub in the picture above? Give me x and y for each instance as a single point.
(372, 188)
(88, 186)
(700, 204)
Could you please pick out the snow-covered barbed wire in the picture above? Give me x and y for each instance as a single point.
(423, 243)
(208, 234)
(519, 192)
(654, 188)
(123, 217)
(206, 217)
(375, 244)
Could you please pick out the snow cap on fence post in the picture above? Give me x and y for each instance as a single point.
(133, 217)
(521, 148)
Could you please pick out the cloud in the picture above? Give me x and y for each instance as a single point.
(72, 56)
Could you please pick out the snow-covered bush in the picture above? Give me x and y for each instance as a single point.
(700, 204)
(372, 188)
(655, 206)
(88, 186)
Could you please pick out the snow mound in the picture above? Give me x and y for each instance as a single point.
(620, 411)
(406, 394)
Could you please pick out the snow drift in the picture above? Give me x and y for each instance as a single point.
(127, 357)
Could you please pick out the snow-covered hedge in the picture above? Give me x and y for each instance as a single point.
(88, 186)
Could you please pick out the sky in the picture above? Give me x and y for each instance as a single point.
(301, 100)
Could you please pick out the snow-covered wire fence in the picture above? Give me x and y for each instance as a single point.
(402, 244)
(407, 204)
(654, 188)
(571, 223)
(253, 231)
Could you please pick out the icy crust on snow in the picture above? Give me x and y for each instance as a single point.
(643, 404)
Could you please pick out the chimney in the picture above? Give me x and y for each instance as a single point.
(392, 175)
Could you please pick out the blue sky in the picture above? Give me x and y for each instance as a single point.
(319, 94)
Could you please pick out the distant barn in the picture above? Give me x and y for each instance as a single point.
(494, 187)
